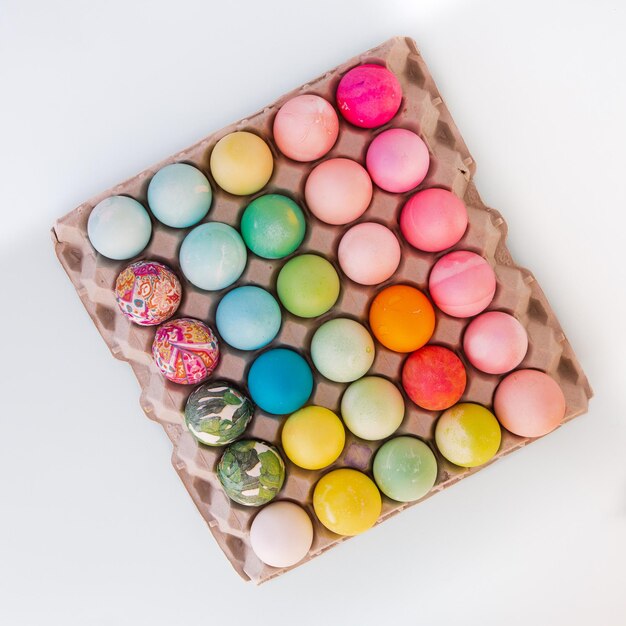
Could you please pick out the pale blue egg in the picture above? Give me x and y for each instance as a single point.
(119, 227)
(248, 318)
(179, 195)
(213, 256)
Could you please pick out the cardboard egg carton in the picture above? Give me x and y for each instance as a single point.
(452, 167)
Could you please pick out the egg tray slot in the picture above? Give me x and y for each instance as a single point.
(452, 167)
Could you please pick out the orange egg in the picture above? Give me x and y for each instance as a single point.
(402, 318)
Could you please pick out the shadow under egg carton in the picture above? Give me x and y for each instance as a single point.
(452, 167)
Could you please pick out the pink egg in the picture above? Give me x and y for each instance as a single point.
(462, 283)
(397, 160)
(433, 220)
(306, 128)
(338, 191)
(495, 342)
(369, 95)
(529, 403)
(369, 253)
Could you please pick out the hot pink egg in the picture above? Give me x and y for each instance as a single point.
(306, 128)
(462, 283)
(369, 253)
(433, 220)
(495, 342)
(338, 191)
(529, 403)
(397, 160)
(369, 95)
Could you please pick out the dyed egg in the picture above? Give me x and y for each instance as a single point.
(342, 350)
(119, 227)
(308, 285)
(338, 191)
(468, 435)
(280, 381)
(281, 534)
(402, 318)
(313, 437)
(241, 163)
(306, 128)
(405, 469)
(397, 160)
(251, 472)
(495, 342)
(372, 408)
(185, 350)
(217, 413)
(213, 256)
(248, 318)
(433, 220)
(369, 95)
(273, 226)
(434, 378)
(369, 253)
(462, 283)
(347, 502)
(147, 293)
(179, 195)
(529, 403)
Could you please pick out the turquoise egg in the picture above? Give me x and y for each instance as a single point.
(179, 195)
(119, 227)
(273, 226)
(248, 318)
(213, 256)
(280, 381)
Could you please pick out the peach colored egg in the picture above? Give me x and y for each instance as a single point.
(462, 283)
(529, 403)
(495, 342)
(369, 253)
(306, 128)
(338, 191)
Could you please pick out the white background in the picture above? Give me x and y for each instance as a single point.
(95, 526)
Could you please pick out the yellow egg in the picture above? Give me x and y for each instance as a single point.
(313, 437)
(346, 501)
(241, 163)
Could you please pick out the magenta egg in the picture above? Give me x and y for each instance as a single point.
(306, 128)
(369, 95)
(433, 220)
(495, 342)
(529, 403)
(462, 283)
(397, 160)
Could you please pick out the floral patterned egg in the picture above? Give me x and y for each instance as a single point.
(251, 472)
(185, 350)
(147, 292)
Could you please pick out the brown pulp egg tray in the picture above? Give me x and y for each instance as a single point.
(452, 167)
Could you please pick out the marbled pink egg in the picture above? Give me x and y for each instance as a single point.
(529, 403)
(433, 220)
(495, 342)
(397, 160)
(462, 283)
(369, 95)
(306, 128)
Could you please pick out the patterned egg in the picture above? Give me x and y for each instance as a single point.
(185, 350)
(217, 413)
(251, 472)
(147, 292)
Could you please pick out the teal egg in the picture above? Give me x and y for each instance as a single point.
(273, 226)
(405, 469)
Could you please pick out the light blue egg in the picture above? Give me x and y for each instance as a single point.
(213, 256)
(119, 227)
(248, 318)
(179, 195)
